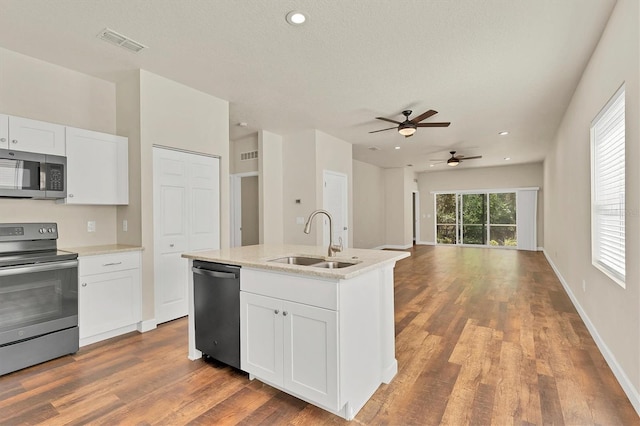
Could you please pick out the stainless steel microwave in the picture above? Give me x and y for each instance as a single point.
(32, 175)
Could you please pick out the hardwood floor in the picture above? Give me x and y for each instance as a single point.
(482, 337)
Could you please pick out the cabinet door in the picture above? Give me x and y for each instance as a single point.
(36, 136)
(261, 337)
(108, 301)
(311, 353)
(4, 131)
(97, 168)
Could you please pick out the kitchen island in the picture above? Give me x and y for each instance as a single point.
(322, 331)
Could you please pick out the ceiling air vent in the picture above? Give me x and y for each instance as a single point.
(121, 40)
(251, 155)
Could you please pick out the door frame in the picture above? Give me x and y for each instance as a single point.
(235, 194)
(416, 214)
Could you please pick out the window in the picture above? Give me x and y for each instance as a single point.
(608, 189)
(476, 218)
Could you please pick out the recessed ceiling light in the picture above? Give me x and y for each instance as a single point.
(296, 18)
(431, 165)
(397, 147)
(503, 133)
(507, 158)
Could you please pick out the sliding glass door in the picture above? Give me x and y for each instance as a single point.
(486, 218)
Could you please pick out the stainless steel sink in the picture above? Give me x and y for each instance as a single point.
(298, 260)
(332, 264)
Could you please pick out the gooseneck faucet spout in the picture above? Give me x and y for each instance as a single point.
(307, 229)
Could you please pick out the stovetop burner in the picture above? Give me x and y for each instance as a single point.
(37, 257)
(30, 243)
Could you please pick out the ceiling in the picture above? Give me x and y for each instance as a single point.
(485, 66)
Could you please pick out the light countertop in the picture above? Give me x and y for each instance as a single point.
(258, 257)
(102, 249)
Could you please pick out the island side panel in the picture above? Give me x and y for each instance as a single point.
(387, 324)
(193, 352)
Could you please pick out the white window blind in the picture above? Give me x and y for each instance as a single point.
(608, 189)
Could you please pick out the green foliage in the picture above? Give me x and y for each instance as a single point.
(500, 210)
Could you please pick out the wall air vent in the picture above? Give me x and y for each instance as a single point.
(251, 155)
(121, 40)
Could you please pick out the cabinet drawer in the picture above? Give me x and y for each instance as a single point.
(102, 263)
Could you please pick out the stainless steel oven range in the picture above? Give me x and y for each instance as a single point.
(38, 296)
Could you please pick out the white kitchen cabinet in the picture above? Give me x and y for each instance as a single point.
(4, 131)
(293, 346)
(97, 168)
(29, 135)
(109, 299)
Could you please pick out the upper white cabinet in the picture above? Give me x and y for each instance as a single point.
(97, 168)
(4, 131)
(24, 134)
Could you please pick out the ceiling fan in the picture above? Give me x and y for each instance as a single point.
(457, 159)
(408, 127)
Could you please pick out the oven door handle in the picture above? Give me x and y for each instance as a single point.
(42, 267)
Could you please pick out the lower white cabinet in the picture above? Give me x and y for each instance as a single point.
(109, 295)
(291, 345)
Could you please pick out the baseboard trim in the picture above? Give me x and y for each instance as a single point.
(394, 247)
(542, 249)
(147, 325)
(626, 384)
(425, 243)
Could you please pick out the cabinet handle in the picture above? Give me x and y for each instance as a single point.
(112, 264)
(284, 313)
(3, 139)
(84, 284)
(276, 312)
(70, 195)
(14, 141)
(171, 245)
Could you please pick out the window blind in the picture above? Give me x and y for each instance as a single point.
(608, 188)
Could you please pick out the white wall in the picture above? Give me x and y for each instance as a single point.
(398, 232)
(368, 205)
(270, 184)
(238, 146)
(39, 90)
(505, 177)
(610, 311)
(336, 155)
(171, 115)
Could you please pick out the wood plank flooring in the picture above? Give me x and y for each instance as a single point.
(482, 337)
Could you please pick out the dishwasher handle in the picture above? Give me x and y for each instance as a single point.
(216, 274)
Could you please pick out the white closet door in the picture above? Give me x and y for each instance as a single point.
(335, 201)
(526, 217)
(186, 217)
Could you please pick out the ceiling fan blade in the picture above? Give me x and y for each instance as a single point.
(376, 131)
(389, 120)
(408, 136)
(423, 116)
(433, 124)
(438, 160)
(471, 158)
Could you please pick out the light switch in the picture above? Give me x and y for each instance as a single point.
(91, 226)
(125, 225)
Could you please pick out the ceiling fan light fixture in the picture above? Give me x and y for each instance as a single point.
(406, 130)
(453, 162)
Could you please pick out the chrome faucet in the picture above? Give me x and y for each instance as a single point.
(333, 249)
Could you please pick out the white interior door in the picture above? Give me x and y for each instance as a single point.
(185, 217)
(335, 201)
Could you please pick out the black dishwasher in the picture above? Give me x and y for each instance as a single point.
(216, 294)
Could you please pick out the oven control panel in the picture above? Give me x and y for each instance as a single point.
(28, 231)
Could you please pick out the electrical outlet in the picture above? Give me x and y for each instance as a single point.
(91, 226)
(125, 225)
(299, 220)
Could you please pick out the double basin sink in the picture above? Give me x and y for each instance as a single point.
(316, 262)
